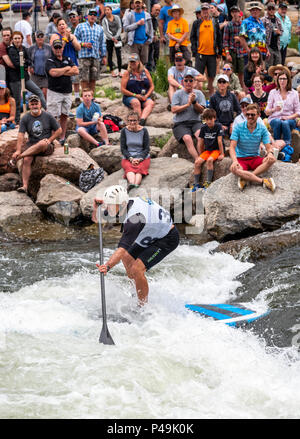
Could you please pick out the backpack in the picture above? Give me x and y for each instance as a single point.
(89, 178)
(287, 151)
(113, 123)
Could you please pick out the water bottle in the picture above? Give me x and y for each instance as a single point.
(96, 117)
(207, 103)
(143, 92)
(66, 148)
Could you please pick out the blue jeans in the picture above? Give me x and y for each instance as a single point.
(284, 128)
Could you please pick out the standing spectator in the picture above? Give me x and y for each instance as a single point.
(273, 32)
(154, 46)
(253, 32)
(38, 54)
(231, 43)
(283, 108)
(91, 37)
(135, 148)
(112, 27)
(137, 87)
(25, 28)
(244, 148)
(4, 58)
(14, 74)
(42, 130)
(67, 8)
(87, 125)
(286, 35)
(187, 105)
(138, 25)
(177, 32)
(74, 20)
(225, 104)
(51, 27)
(206, 44)
(164, 19)
(48, 7)
(59, 96)
(177, 73)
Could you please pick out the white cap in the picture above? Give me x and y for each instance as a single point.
(116, 195)
(225, 77)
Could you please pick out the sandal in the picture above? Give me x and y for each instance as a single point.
(22, 190)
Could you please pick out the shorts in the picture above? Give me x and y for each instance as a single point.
(75, 79)
(40, 81)
(156, 251)
(49, 150)
(58, 103)
(127, 101)
(92, 129)
(89, 69)
(237, 63)
(250, 163)
(180, 129)
(206, 154)
(208, 61)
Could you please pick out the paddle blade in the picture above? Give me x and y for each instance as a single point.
(105, 336)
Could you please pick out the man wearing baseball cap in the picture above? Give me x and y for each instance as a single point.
(273, 32)
(286, 35)
(42, 129)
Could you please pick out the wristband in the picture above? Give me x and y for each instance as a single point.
(82, 44)
(180, 87)
(134, 94)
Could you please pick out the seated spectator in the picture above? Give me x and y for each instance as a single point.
(296, 76)
(112, 27)
(14, 75)
(187, 105)
(137, 87)
(135, 147)
(283, 108)
(7, 108)
(273, 72)
(247, 164)
(89, 121)
(211, 148)
(42, 129)
(176, 75)
(255, 65)
(258, 95)
(38, 54)
(234, 82)
(225, 104)
(178, 32)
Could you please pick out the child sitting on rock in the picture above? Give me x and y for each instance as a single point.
(211, 148)
(89, 121)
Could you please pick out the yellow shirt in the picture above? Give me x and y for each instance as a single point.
(177, 28)
(206, 38)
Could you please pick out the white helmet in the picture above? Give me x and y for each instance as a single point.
(116, 195)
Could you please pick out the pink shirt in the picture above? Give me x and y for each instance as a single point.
(291, 104)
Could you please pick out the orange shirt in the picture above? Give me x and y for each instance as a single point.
(206, 38)
(177, 28)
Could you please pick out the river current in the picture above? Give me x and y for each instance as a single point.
(167, 362)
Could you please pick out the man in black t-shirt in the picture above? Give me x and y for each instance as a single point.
(59, 70)
(42, 129)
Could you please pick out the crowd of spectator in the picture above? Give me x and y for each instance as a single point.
(239, 87)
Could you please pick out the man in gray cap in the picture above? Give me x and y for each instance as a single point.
(273, 32)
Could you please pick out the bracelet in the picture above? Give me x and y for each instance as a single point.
(134, 94)
(82, 44)
(108, 267)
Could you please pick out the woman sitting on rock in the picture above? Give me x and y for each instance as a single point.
(135, 149)
(258, 95)
(234, 82)
(255, 65)
(137, 87)
(283, 108)
(7, 108)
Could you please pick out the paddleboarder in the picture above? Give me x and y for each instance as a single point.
(148, 235)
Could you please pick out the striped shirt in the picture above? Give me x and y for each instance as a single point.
(247, 142)
(85, 33)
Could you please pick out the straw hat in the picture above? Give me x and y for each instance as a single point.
(175, 8)
(272, 69)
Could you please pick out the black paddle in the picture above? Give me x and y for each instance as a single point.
(105, 336)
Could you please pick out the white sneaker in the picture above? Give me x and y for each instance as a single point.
(242, 183)
(269, 183)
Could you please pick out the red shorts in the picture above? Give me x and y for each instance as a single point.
(250, 163)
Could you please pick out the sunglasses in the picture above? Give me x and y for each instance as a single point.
(226, 69)
(178, 59)
(250, 114)
(222, 81)
(93, 14)
(189, 80)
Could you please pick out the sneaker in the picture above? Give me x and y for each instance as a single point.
(77, 101)
(281, 156)
(269, 183)
(169, 107)
(142, 122)
(242, 183)
(101, 143)
(206, 184)
(195, 187)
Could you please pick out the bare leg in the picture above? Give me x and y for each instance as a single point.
(190, 146)
(63, 124)
(135, 270)
(136, 106)
(130, 177)
(26, 171)
(149, 104)
(171, 92)
(103, 132)
(83, 133)
(210, 86)
(138, 178)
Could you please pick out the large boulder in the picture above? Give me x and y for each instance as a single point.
(296, 145)
(17, 208)
(54, 189)
(167, 179)
(8, 143)
(9, 182)
(69, 166)
(229, 212)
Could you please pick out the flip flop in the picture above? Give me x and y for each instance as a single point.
(22, 190)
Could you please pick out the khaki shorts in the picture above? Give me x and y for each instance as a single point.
(58, 103)
(89, 69)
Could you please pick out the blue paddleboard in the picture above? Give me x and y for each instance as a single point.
(227, 313)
